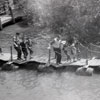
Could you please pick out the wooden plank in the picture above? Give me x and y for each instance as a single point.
(5, 19)
(20, 61)
(93, 62)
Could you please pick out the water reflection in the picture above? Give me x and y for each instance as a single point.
(29, 85)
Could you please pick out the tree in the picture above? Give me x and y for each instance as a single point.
(69, 18)
(30, 14)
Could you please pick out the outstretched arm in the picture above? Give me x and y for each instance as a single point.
(50, 44)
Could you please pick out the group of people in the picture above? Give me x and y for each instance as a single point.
(70, 49)
(23, 45)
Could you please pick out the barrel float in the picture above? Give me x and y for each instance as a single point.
(9, 66)
(85, 71)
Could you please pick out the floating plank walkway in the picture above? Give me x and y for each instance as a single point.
(92, 62)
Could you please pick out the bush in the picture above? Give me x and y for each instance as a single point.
(30, 14)
(30, 17)
(66, 17)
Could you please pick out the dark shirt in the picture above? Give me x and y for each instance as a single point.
(29, 43)
(23, 45)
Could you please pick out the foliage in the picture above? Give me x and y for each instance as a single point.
(20, 4)
(30, 17)
(79, 18)
(30, 13)
(70, 18)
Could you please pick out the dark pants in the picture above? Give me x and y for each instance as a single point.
(0, 50)
(57, 55)
(24, 50)
(19, 53)
(30, 50)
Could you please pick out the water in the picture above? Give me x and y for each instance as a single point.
(29, 85)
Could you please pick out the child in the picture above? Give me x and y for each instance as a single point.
(29, 46)
(24, 47)
(16, 43)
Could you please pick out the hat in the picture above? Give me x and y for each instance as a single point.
(17, 33)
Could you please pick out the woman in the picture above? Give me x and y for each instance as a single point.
(17, 41)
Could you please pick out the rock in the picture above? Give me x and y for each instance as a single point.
(45, 68)
(2, 62)
(89, 71)
(31, 65)
(9, 66)
(41, 66)
(85, 71)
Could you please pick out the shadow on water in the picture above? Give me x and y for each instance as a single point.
(48, 83)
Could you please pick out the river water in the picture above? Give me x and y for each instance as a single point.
(30, 85)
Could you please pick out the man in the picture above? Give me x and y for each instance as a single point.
(29, 46)
(17, 46)
(56, 44)
(24, 47)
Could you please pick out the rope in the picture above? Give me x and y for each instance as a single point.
(94, 51)
(5, 46)
(5, 39)
(95, 45)
(89, 49)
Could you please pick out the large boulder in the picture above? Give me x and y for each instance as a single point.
(85, 71)
(9, 66)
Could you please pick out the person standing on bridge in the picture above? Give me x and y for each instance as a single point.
(77, 44)
(29, 43)
(16, 43)
(56, 44)
(24, 47)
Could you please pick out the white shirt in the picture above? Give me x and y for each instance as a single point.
(56, 43)
(16, 40)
